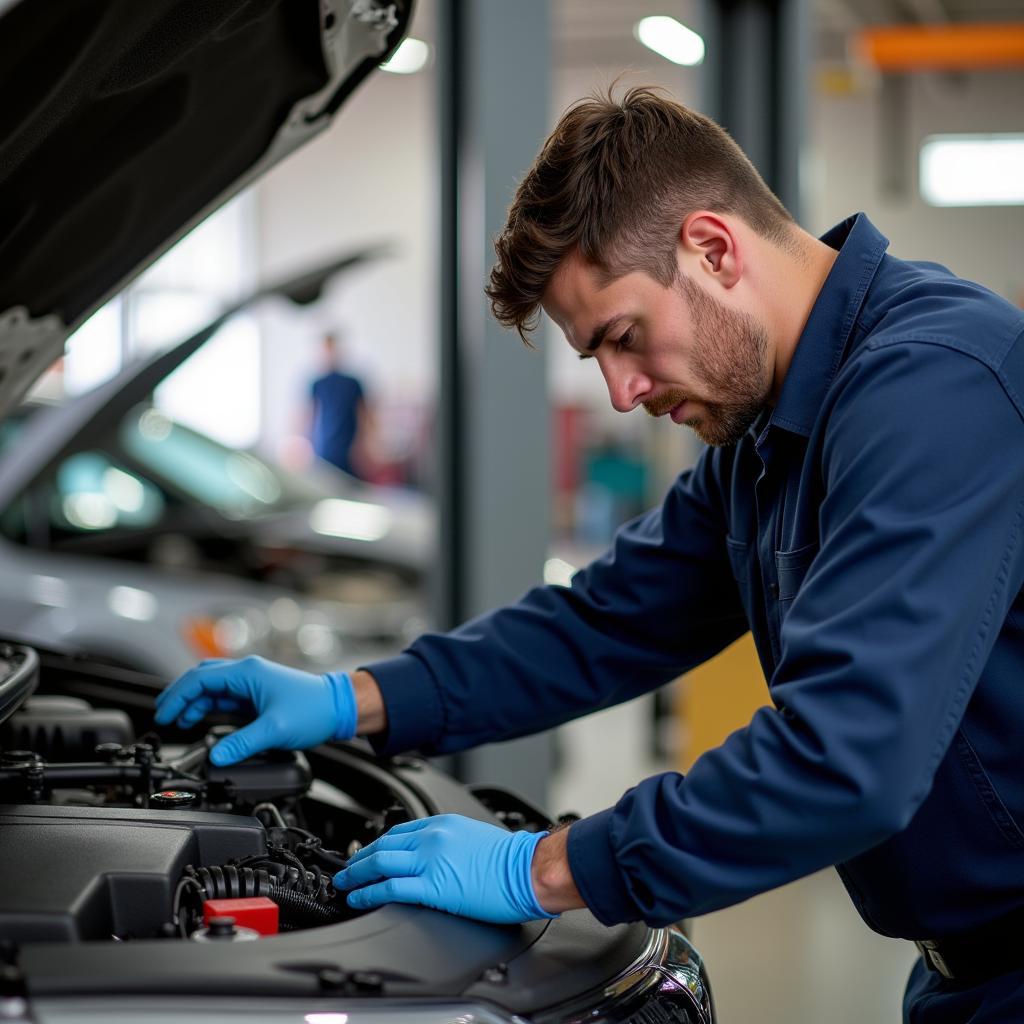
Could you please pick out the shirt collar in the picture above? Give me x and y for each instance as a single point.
(819, 351)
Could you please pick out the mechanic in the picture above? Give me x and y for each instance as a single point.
(340, 421)
(860, 509)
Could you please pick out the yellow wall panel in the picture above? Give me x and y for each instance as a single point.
(719, 697)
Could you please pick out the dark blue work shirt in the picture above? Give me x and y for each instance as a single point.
(868, 530)
(336, 398)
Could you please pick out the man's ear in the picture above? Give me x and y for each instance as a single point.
(710, 246)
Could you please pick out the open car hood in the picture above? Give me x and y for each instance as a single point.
(125, 124)
(60, 432)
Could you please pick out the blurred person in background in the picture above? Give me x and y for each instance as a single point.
(341, 423)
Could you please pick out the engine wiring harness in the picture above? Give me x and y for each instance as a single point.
(295, 873)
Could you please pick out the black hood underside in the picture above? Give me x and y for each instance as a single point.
(124, 123)
(122, 119)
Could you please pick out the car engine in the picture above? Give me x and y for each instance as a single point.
(134, 868)
(119, 837)
(134, 845)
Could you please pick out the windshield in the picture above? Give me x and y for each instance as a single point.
(236, 483)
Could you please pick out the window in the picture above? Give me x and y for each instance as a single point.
(212, 266)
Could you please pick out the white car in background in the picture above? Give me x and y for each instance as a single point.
(149, 544)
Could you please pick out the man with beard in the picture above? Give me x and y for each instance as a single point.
(860, 509)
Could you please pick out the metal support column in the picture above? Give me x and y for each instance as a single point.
(756, 84)
(494, 417)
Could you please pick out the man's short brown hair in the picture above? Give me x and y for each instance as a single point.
(615, 180)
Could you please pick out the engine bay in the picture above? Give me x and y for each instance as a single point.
(120, 837)
(142, 843)
(137, 869)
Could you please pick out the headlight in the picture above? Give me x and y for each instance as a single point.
(315, 637)
(666, 985)
(318, 641)
(233, 634)
(305, 639)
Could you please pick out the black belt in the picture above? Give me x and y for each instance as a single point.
(972, 957)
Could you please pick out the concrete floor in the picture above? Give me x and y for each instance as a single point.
(797, 955)
(801, 955)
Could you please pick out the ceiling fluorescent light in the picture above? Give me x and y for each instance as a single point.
(671, 39)
(410, 57)
(972, 170)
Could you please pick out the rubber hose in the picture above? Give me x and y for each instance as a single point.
(301, 911)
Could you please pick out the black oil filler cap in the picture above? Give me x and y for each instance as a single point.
(173, 799)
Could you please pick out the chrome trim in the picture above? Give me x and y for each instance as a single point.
(684, 965)
(669, 969)
(634, 975)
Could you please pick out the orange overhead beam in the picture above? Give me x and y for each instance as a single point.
(952, 47)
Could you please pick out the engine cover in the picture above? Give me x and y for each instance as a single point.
(64, 728)
(74, 873)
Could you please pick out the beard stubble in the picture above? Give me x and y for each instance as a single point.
(729, 360)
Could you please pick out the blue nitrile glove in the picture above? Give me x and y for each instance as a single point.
(450, 863)
(295, 709)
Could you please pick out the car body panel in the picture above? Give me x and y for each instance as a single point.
(136, 615)
(164, 1010)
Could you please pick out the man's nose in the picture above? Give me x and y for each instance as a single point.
(626, 387)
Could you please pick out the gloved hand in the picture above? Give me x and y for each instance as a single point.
(295, 709)
(450, 863)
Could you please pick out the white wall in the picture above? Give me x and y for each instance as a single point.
(984, 244)
(369, 178)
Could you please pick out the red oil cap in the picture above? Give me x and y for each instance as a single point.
(256, 912)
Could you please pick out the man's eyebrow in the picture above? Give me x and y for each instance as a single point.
(599, 334)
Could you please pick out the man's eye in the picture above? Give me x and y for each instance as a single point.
(625, 341)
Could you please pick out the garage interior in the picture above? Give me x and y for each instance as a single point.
(521, 468)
